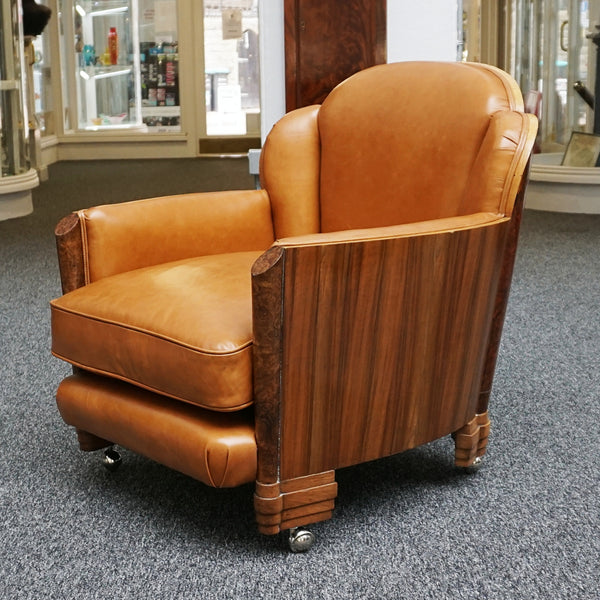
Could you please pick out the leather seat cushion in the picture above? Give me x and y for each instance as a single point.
(182, 329)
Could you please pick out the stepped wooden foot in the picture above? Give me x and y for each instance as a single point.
(88, 442)
(294, 502)
(471, 441)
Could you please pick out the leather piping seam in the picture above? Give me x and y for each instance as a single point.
(156, 335)
(131, 381)
(497, 219)
(513, 170)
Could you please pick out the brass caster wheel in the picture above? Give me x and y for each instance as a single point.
(300, 539)
(475, 466)
(112, 459)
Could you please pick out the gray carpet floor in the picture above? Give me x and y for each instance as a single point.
(526, 526)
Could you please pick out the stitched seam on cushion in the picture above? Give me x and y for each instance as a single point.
(154, 334)
(150, 388)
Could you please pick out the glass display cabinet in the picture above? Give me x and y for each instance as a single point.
(12, 85)
(552, 60)
(105, 64)
(554, 63)
(16, 177)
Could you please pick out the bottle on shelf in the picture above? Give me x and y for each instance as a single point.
(113, 45)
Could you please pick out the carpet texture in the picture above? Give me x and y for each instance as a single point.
(526, 526)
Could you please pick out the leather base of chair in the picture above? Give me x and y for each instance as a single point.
(218, 449)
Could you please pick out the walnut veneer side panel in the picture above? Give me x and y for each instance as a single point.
(384, 344)
(326, 42)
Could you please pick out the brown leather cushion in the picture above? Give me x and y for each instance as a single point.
(183, 329)
(218, 449)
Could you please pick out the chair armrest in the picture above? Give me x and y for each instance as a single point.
(367, 343)
(105, 240)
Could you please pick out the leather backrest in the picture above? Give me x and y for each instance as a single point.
(399, 143)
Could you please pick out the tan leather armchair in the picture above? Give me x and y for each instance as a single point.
(349, 310)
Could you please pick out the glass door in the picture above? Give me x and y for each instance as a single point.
(553, 60)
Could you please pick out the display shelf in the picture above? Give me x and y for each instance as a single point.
(106, 64)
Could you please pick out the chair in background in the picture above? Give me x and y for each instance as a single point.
(348, 310)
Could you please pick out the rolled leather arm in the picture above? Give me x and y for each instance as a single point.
(109, 239)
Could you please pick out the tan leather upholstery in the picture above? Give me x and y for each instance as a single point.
(217, 448)
(165, 328)
(356, 301)
(290, 171)
(128, 236)
(367, 171)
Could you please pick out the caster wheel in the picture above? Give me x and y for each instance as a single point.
(300, 539)
(477, 464)
(112, 459)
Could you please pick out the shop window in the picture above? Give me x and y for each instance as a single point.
(231, 67)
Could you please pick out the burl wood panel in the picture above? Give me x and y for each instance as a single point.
(71, 263)
(69, 245)
(326, 41)
(267, 300)
(384, 344)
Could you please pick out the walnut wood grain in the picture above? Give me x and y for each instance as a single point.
(471, 440)
(69, 244)
(502, 296)
(383, 344)
(326, 42)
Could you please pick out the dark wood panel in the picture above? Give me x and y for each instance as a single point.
(502, 295)
(386, 344)
(69, 245)
(326, 41)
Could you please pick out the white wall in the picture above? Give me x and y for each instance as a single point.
(272, 64)
(423, 30)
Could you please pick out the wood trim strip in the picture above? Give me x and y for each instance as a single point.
(502, 295)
